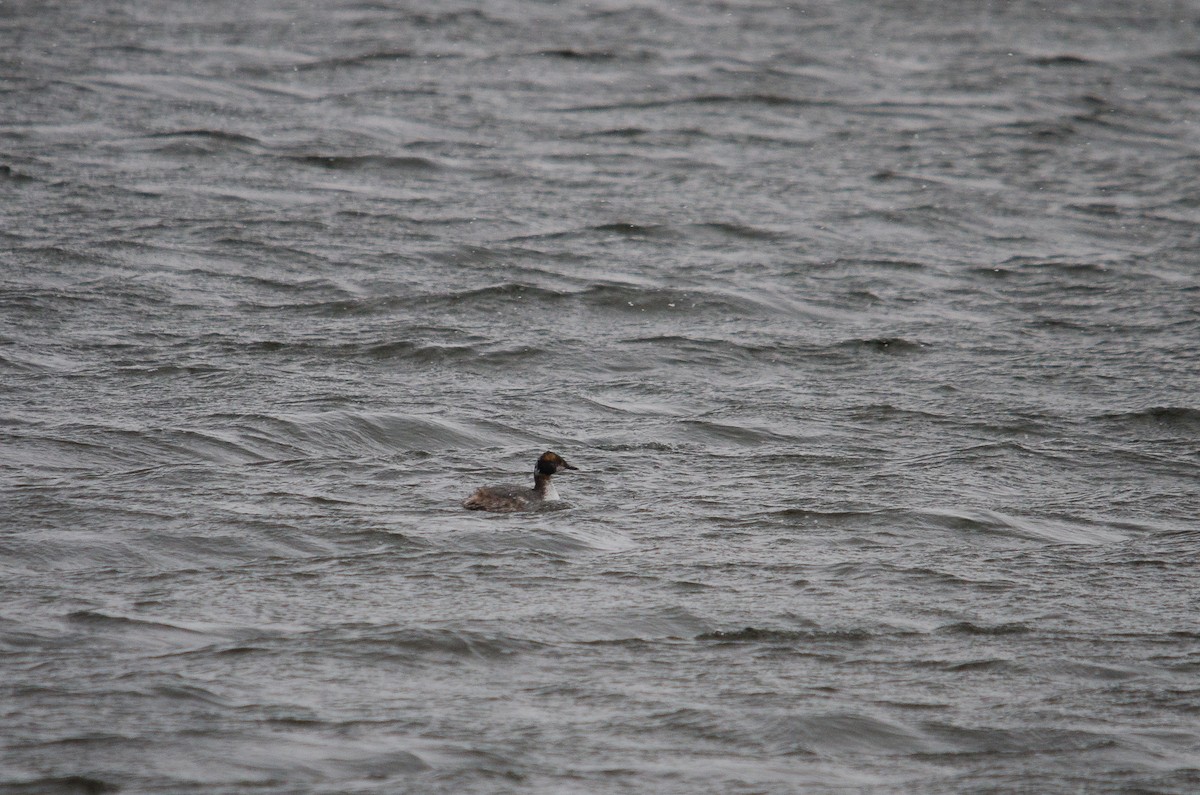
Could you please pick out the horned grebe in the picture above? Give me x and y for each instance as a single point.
(519, 498)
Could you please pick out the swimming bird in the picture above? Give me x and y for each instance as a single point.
(519, 498)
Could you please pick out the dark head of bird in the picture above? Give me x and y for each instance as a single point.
(551, 463)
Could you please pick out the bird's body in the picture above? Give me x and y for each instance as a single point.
(520, 498)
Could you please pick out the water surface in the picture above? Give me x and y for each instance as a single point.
(873, 327)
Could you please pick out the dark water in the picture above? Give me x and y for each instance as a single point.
(875, 327)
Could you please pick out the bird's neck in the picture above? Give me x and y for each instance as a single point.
(543, 486)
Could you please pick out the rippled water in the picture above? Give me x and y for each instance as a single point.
(874, 328)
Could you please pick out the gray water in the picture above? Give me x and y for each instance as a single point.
(873, 327)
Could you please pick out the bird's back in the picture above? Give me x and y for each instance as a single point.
(501, 498)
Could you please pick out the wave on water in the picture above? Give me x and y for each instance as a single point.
(258, 438)
(144, 635)
(499, 536)
(982, 523)
(804, 638)
(766, 100)
(665, 233)
(363, 59)
(236, 760)
(977, 524)
(616, 296)
(847, 733)
(12, 175)
(356, 432)
(892, 345)
(1173, 419)
(971, 628)
(60, 785)
(372, 163)
(726, 432)
(646, 627)
(201, 141)
(427, 644)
